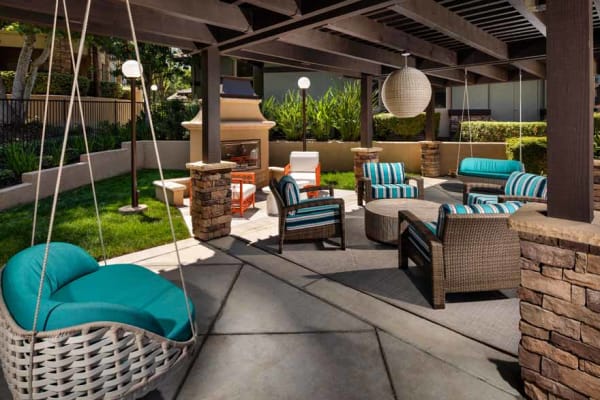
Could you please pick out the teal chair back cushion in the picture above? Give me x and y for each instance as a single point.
(384, 173)
(289, 191)
(489, 167)
(524, 184)
(499, 208)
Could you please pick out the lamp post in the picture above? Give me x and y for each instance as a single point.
(132, 71)
(153, 88)
(303, 84)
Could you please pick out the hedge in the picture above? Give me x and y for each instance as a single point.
(499, 131)
(387, 126)
(534, 153)
(60, 85)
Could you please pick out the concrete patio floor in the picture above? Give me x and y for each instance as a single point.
(271, 329)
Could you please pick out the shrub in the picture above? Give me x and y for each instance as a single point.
(320, 115)
(499, 131)
(20, 157)
(7, 177)
(167, 117)
(289, 115)
(110, 89)
(389, 127)
(346, 114)
(60, 85)
(534, 153)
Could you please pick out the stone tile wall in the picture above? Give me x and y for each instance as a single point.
(430, 159)
(559, 351)
(211, 203)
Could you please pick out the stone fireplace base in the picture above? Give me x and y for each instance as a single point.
(559, 296)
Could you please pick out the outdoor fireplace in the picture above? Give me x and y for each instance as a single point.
(244, 130)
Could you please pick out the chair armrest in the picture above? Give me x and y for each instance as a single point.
(478, 187)
(363, 185)
(315, 203)
(318, 174)
(424, 232)
(420, 186)
(523, 199)
(287, 169)
(314, 188)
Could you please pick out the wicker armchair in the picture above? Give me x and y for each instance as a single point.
(467, 252)
(311, 219)
(387, 181)
(520, 186)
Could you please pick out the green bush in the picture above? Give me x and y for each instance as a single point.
(288, 115)
(346, 114)
(7, 177)
(320, 115)
(110, 89)
(534, 153)
(20, 157)
(60, 85)
(389, 127)
(167, 117)
(499, 131)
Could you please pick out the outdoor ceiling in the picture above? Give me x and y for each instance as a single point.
(493, 39)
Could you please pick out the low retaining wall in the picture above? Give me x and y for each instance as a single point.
(105, 164)
(336, 156)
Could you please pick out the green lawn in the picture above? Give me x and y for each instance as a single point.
(76, 221)
(339, 180)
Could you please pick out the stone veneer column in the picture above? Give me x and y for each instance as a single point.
(211, 200)
(430, 159)
(361, 156)
(559, 352)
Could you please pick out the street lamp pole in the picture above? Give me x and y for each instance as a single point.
(132, 71)
(303, 84)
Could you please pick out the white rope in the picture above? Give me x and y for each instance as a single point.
(162, 178)
(44, 123)
(85, 139)
(465, 104)
(56, 192)
(520, 115)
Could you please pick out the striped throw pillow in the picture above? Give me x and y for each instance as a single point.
(384, 173)
(499, 208)
(524, 184)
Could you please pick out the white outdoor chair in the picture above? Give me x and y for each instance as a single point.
(304, 167)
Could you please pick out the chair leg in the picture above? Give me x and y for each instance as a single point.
(343, 236)
(280, 244)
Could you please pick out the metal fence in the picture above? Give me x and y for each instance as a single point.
(21, 120)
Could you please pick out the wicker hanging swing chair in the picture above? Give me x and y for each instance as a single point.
(114, 351)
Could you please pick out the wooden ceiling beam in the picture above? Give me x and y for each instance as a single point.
(365, 28)
(330, 43)
(453, 75)
(285, 7)
(439, 18)
(212, 12)
(534, 18)
(494, 72)
(108, 13)
(303, 54)
(533, 67)
(95, 28)
(248, 55)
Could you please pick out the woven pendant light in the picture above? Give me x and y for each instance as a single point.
(406, 92)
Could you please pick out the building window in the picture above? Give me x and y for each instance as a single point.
(439, 97)
(245, 153)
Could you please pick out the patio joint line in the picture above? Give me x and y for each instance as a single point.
(385, 364)
(291, 332)
(209, 329)
(310, 283)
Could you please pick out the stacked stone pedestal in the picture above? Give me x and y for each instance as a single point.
(211, 200)
(559, 352)
(596, 184)
(363, 155)
(430, 159)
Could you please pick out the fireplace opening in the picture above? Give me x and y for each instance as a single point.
(245, 153)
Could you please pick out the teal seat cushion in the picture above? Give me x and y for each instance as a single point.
(482, 198)
(394, 191)
(311, 217)
(125, 293)
(489, 167)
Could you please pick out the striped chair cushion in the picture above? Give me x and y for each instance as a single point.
(384, 173)
(419, 243)
(524, 184)
(290, 193)
(432, 226)
(499, 208)
(480, 198)
(394, 191)
(313, 216)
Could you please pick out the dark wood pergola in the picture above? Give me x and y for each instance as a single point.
(492, 39)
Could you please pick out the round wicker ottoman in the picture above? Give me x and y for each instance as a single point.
(381, 216)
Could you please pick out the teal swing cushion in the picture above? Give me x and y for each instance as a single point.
(78, 291)
(489, 167)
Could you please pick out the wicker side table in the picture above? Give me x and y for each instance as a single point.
(381, 216)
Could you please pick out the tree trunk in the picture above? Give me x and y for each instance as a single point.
(34, 67)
